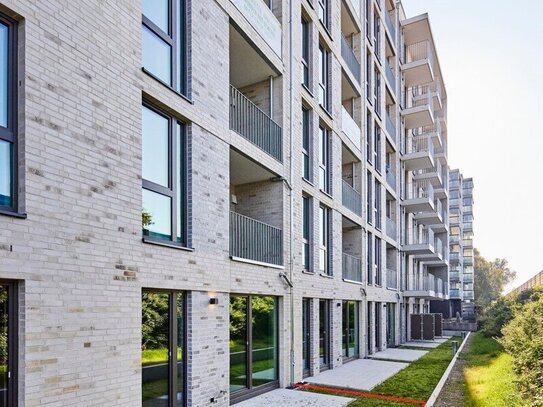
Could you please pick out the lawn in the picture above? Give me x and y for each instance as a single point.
(489, 376)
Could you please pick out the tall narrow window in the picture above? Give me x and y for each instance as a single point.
(324, 334)
(369, 121)
(163, 349)
(307, 233)
(306, 336)
(377, 34)
(323, 13)
(306, 61)
(8, 115)
(369, 327)
(369, 65)
(369, 201)
(368, 19)
(324, 66)
(324, 160)
(163, 178)
(253, 344)
(377, 207)
(8, 343)
(377, 147)
(377, 91)
(378, 326)
(378, 266)
(350, 330)
(306, 144)
(324, 240)
(370, 258)
(164, 37)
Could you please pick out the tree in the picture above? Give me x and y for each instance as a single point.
(490, 279)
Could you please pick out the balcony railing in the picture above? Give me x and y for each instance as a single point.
(454, 275)
(351, 198)
(454, 293)
(391, 228)
(390, 76)
(350, 59)
(420, 189)
(417, 236)
(424, 283)
(391, 178)
(352, 268)
(391, 127)
(418, 52)
(420, 144)
(350, 128)
(390, 26)
(253, 240)
(392, 278)
(248, 120)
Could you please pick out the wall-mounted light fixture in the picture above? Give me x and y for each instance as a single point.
(338, 304)
(363, 291)
(214, 301)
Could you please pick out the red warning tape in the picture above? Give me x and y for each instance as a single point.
(359, 393)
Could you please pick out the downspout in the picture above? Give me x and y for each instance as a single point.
(291, 198)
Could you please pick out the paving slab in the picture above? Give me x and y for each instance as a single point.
(426, 344)
(284, 398)
(404, 355)
(363, 374)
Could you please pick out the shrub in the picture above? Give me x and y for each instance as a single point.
(523, 339)
(499, 314)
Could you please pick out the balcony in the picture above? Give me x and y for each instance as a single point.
(262, 19)
(454, 275)
(468, 261)
(420, 197)
(351, 198)
(418, 66)
(391, 228)
(423, 287)
(419, 111)
(468, 278)
(437, 258)
(256, 241)
(433, 174)
(390, 27)
(419, 153)
(468, 295)
(350, 59)
(454, 257)
(454, 294)
(392, 278)
(249, 121)
(391, 127)
(350, 128)
(467, 243)
(391, 178)
(430, 218)
(391, 78)
(419, 242)
(352, 268)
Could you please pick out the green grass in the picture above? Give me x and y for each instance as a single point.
(155, 356)
(489, 376)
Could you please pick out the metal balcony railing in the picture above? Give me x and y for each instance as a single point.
(418, 52)
(392, 278)
(254, 240)
(425, 282)
(420, 189)
(349, 127)
(439, 286)
(418, 144)
(248, 120)
(391, 127)
(417, 236)
(438, 245)
(390, 76)
(390, 26)
(468, 278)
(454, 275)
(351, 198)
(391, 178)
(454, 293)
(350, 59)
(391, 228)
(352, 268)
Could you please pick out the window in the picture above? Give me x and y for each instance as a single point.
(378, 308)
(377, 193)
(163, 178)
(377, 147)
(370, 259)
(253, 344)
(8, 115)
(377, 91)
(323, 13)
(324, 66)
(370, 329)
(306, 61)
(324, 240)
(324, 160)
(378, 263)
(163, 349)
(377, 34)
(368, 77)
(306, 144)
(369, 121)
(324, 334)
(369, 201)
(350, 330)
(306, 336)
(307, 233)
(8, 343)
(368, 20)
(164, 37)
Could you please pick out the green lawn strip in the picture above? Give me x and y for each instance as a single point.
(368, 401)
(489, 377)
(417, 381)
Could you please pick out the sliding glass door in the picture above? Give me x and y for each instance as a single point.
(324, 334)
(8, 343)
(253, 344)
(350, 330)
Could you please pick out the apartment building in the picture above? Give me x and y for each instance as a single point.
(461, 257)
(201, 201)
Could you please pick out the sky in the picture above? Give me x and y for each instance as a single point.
(491, 56)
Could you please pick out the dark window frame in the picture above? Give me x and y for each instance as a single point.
(325, 305)
(171, 191)
(324, 77)
(177, 19)
(306, 53)
(10, 133)
(307, 233)
(325, 239)
(306, 335)
(325, 147)
(307, 167)
(369, 251)
(173, 343)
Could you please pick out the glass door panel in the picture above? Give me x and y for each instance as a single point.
(238, 343)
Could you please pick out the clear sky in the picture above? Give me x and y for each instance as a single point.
(491, 55)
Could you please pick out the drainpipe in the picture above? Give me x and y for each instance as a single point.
(291, 177)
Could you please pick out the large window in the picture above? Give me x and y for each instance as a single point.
(163, 349)
(324, 240)
(164, 191)
(8, 344)
(324, 160)
(324, 334)
(306, 336)
(306, 56)
(8, 115)
(306, 144)
(307, 234)
(253, 344)
(324, 83)
(350, 330)
(164, 38)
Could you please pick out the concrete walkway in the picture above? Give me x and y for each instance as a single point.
(426, 344)
(363, 374)
(286, 398)
(404, 355)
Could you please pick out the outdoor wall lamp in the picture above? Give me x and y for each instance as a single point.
(214, 301)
